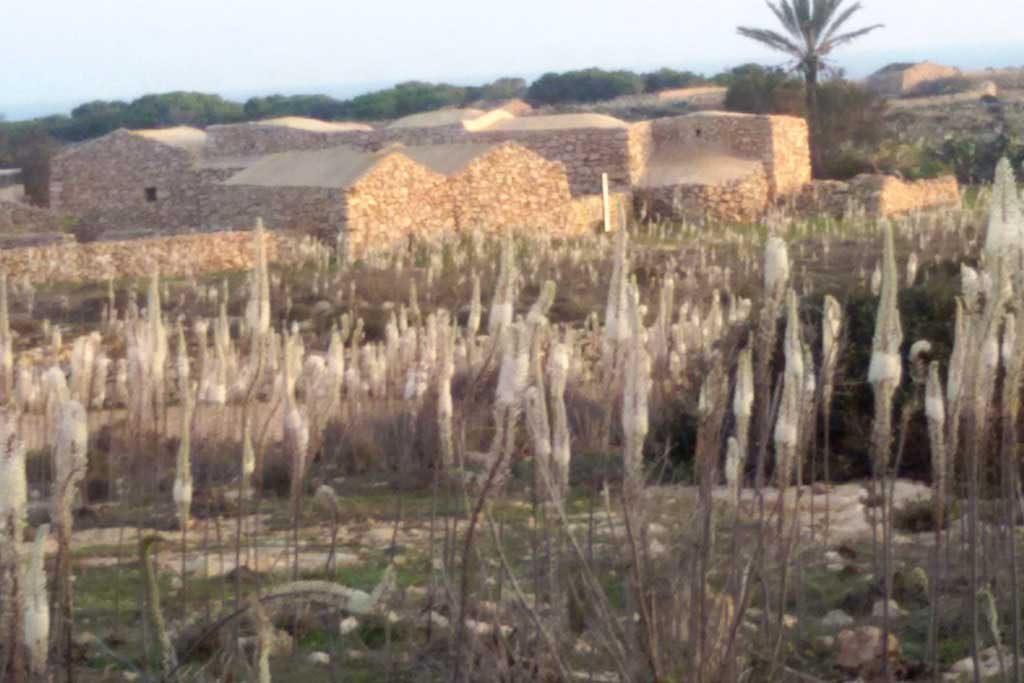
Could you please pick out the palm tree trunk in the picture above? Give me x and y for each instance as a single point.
(811, 104)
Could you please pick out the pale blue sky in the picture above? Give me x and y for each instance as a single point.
(57, 53)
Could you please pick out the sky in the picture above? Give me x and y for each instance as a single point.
(58, 53)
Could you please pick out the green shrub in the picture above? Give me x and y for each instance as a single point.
(754, 89)
(586, 85)
(666, 79)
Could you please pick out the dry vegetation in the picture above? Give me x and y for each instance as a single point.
(626, 457)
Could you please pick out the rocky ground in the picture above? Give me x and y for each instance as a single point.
(837, 618)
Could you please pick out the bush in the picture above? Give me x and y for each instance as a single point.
(847, 163)
(587, 85)
(973, 159)
(666, 79)
(754, 89)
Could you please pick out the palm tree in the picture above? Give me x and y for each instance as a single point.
(813, 28)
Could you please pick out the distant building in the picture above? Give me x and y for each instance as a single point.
(386, 197)
(454, 169)
(900, 79)
(132, 180)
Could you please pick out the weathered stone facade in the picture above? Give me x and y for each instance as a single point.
(878, 195)
(126, 181)
(19, 218)
(403, 192)
(178, 256)
(586, 153)
(397, 200)
(888, 196)
(510, 188)
(318, 211)
(739, 200)
(779, 142)
(586, 214)
(717, 165)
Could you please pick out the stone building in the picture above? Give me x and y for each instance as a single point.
(499, 187)
(379, 199)
(384, 198)
(900, 79)
(717, 165)
(132, 180)
(497, 169)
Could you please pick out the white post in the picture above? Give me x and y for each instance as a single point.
(605, 203)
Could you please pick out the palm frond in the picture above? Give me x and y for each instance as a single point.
(775, 41)
(783, 11)
(835, 42)
(839, 21)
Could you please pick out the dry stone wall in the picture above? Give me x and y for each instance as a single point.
(586, 214)
(510, 188)
(244, 140)
(744, 200)
(19, 218)
(317, 211)
(395, 201)
(888, 196)
(779, 142)
(124, 181)
(178, 256)
(586, 153)
(878, 195)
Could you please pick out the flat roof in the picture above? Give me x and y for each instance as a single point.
(560, 122)
(445, 159)
(338, 167)
(440, 117)
(182, 137)
(314, 125)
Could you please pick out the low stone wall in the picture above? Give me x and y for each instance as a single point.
(878, 195)
(19, 218)
(739, 201)
(888, 196)
(178, 256)
(586, 214)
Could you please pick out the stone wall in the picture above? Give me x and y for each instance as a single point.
(19, 218)
(510, 188)
(788, 163)
(586, 214)
(585, 153)
(738, 201)
(886, 196)
(317, 211)
(179, 256)
(398, 199)
(124, 181)
(245, 140)
(879, 196)
(781, 143)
